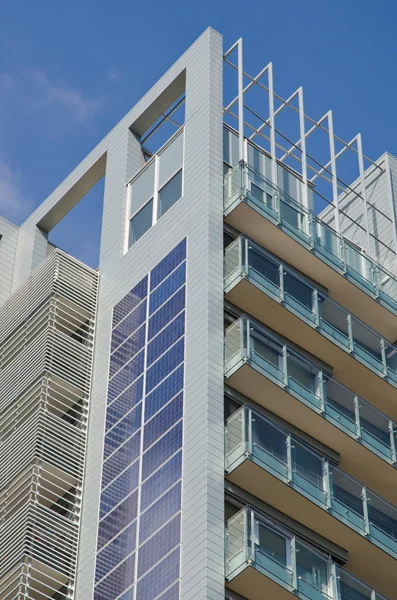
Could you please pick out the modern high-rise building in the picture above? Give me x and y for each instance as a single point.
(212, 412)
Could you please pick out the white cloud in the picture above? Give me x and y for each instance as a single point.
(74, 101)
(13, 203)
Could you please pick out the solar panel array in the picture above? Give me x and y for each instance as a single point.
(139, 536)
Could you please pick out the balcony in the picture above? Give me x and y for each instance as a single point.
(264, 212)
(266, 561)
(272, 292)
(264, 368)
(278, 468)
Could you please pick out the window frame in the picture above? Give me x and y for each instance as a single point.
(156, 189)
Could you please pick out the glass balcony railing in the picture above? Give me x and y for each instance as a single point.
(245, 259)
(246, 341)
(250, 434)
(243, 183)
(252, 540)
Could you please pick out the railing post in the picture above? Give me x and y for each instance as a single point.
(289, 458)
(365, 509)
(252, 536)
(383, 355)
(322, 390)
(392, 442)
(281, 280)
(277, 204)
(247, 328)
(285, 365)
(375, 277)
(248, 422)
(311, 221)
(357, 416)
(343, 254)
(335, 582)
(240, 254)
(293, 564)
(244, 179)
(350, 332)
(245, 256)
(316, 307)
(327, 482)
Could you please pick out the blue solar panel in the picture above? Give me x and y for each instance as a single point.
(143, 443)
(168, 264)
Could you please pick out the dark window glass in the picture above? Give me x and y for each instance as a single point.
(261, 195)
(271, 439)
(273, 544)
(170, 193)
(264, 266)
(298, 290)
(167, 288)
(141, 222)
(302, 373)
(168, 264)
(266, 348)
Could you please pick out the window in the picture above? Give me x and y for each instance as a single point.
(156, 188)
(141, 222)
(170, 193)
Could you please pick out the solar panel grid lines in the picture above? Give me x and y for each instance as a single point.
(140, 514)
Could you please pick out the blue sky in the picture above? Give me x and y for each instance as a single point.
(70, 70)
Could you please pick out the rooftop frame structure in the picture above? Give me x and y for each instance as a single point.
(278, 143)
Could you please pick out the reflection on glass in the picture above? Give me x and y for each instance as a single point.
(246, 339)
(312, 571)
(244, 258)
(251, 434)
(141, 222)
(287, 211)
(170, 193)
(253, 540)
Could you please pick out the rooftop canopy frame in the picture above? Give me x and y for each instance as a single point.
(279, 145)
